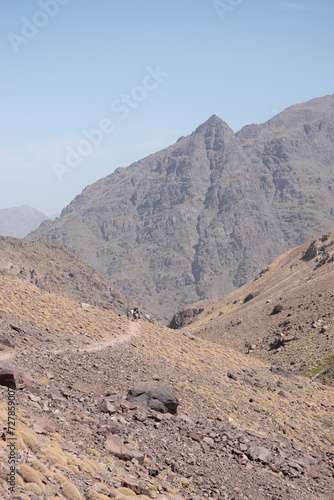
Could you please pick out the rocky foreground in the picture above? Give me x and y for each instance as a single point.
(242, 429)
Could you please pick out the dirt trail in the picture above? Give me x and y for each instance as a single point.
(134, 330)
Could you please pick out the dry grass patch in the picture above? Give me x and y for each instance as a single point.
(71, 492)
(94, 452)
(55, 455)
(40, 467)
(59, 478)
(34, 488)
(29, 438)
(30, 475)
(126, 492)
(94, 495)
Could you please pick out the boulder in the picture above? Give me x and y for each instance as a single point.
(115, 445)
(9, 377)
(155, 395)
(313, 471)
(43, 425)
(6, 342)
(249, 297)
(107, 407)
(259, 453)
(277, 309)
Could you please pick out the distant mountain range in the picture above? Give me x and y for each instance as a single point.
(19, 221)
(205, 215)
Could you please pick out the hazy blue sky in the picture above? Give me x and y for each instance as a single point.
(144, 72)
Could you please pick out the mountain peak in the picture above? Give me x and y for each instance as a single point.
(200, 218)
(213, 121)
(214, 118)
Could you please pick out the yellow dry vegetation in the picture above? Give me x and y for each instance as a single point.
(126, 492)
(33, 487)
(71, 492)
(94, 495)
(30, 475)
(269, 409)
(102, 487)
(52, 311)
(94, 452)
(29, 438)
(55, 454)
(39, 466)
(59, 478)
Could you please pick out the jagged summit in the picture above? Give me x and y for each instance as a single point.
(213, 122)
(316, 112)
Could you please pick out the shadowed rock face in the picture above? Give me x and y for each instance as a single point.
(155, 395)
(203, 216)
(185, 317)
(9, 378)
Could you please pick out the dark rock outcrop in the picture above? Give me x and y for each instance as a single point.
(185, 317)
(155, 395)
(9, 377)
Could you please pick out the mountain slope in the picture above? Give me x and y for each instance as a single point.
(286, 313)
(203, 216)
(54, 268)
(19, 221)
(241, 430)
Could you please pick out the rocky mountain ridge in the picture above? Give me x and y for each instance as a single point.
(205, 215)
(285, 316)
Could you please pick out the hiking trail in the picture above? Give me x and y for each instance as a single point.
(134, 330)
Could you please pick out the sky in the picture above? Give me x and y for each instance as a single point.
(91, 85)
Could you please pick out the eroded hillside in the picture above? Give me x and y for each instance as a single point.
(285, 316)
(240, 431)
(54, 268)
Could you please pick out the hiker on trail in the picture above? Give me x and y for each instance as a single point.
(128, 314)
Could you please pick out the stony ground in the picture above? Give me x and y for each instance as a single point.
(299, 286)
(242, 430)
